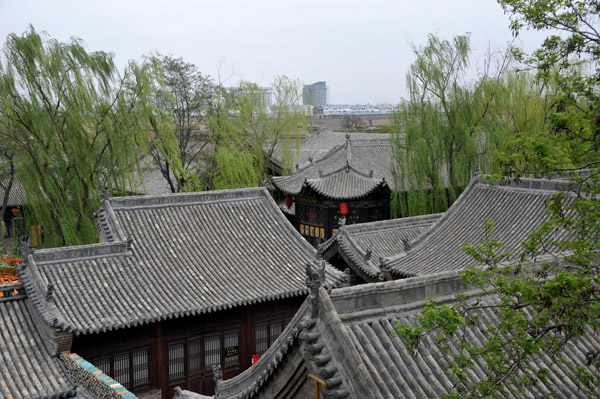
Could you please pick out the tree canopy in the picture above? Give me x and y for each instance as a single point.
(246, 130)
(75, 124)
(553, 128)
(187, 94)
(439, 134)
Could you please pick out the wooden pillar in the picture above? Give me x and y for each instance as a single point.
(158, 365)
(247, 339)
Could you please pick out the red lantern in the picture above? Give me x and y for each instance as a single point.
(14, 211)
(344, 208)
(288, 201)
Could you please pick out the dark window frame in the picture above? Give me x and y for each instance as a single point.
(129, 352)
(200, 337)
(270, 322)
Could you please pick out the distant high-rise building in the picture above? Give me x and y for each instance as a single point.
(315, 94)
(267, 96)
(262, 95)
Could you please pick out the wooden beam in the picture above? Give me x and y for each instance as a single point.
(318, 382)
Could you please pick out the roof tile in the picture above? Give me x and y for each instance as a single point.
(190, 253)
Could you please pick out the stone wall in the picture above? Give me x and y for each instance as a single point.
(94, 380)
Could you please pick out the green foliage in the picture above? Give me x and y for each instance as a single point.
(74, 123)
(542, 126)
(187, 94)
(568, 60)
(237, 169)
(242, 124)
(537, 311)
(438, 134)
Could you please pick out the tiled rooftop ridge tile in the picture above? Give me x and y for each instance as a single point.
(93, 379)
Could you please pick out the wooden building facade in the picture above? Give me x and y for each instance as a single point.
(182, 352)
(180, 284)
(352, 182)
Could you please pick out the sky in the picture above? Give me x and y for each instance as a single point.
(362, 49)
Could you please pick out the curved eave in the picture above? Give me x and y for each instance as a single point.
(276, 181)
(52, 316)
(309, 188)
(183, 313)
(356, 258)
(328, 249)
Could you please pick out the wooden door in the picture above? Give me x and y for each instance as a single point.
(188, 361)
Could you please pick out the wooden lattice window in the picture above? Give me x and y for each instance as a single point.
(195, 355)
(176, 361)
(261, 337)
(212, 350)
(231, 342)
(129, 368)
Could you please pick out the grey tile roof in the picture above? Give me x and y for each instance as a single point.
(318, 145)
(16, 196)
(189, 254)
(349, 344)
(351, 170)
(345, 183)
(28, 369)
(362, 245)
(517, 208)
(397, 374)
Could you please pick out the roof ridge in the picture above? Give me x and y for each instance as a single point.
(40, 294)
(383, 295)
(370, 142)
(390, 224)
(348, 168)
(186, 198)
(359, 381)
(79, 252)
(531, 184)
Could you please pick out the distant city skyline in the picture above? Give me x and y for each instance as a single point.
(315, 94)
(361, 49)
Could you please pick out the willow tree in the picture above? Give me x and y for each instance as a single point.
(246, 131)
(75, 124)
(540, 310)
(286, 124)
(270, 128)
(188, 95)
(440, 137)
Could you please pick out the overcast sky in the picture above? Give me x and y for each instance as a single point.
(360, 48)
